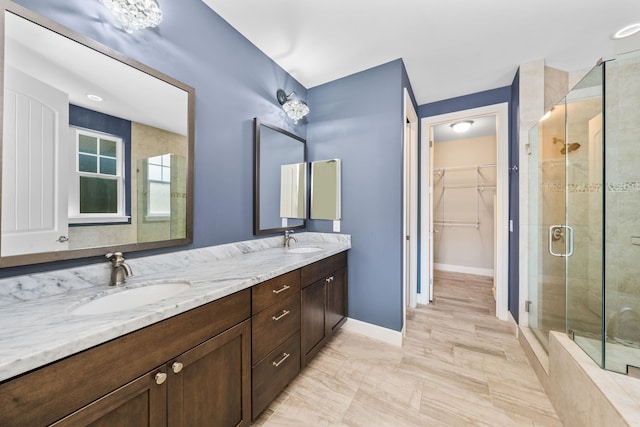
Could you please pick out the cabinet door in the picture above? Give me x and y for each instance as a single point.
(210, 385)
(313, 329)
(140, 403)
(336, 300)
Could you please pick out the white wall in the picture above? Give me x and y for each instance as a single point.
(464, 247)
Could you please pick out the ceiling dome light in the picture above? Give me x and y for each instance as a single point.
(462, 126)
(95, 98)
(626, 31)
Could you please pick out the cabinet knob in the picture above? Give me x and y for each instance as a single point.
(329, 279)
(176, 367)
(161, 377)
(284, 313)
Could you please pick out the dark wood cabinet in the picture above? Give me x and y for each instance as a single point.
(275, 338)
(216, 365)
(337, 299)
(115, 383)
(313, 327)
(210, 384)
(142, 402)
(323, 299)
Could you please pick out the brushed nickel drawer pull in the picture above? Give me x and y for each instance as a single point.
(284, 313)
(176, 367)
(282, 289)
(160, 378)
(285, 356)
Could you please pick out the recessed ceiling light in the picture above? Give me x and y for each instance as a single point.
(462, 126)
(626, 31)
(94, 97)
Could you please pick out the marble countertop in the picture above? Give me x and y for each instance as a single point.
(41, 330)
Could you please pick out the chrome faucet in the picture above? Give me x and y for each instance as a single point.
(120, 270)
(288, 236)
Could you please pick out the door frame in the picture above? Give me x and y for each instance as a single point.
(501, 111)
(410, 201)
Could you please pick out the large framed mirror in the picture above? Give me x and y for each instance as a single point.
(97, 148)
(280, 180)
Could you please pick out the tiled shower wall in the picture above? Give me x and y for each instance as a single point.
(622, 203)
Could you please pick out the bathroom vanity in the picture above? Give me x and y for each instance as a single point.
(219, 363)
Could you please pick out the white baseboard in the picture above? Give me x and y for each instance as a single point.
(462, 269)
(373, 331)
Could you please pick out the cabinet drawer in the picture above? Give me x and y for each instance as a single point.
(316, 271)
(274, 290)
(273, 373)
(273, 325)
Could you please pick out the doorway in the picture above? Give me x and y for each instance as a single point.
(428, 200)
(410, 209)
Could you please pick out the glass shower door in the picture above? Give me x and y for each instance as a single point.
(583, 149)
(547, 234)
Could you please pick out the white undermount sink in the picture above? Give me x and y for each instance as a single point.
(304, 249)
(131, 297)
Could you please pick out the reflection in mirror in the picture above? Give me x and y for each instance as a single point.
(97, 149)
(325, 189)
(293, 191)
(275, 147)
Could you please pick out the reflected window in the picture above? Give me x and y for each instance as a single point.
(97, 193)
(159, 190)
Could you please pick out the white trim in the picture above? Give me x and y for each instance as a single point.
(423, 298)
(464, 269)
(409, 200)
(501, 111)
(373, 331)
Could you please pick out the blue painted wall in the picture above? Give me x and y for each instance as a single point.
(234, 83)
(359, 119)
(466, 102)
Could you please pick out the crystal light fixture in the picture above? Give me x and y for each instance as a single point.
(135, 14)
(295, 108)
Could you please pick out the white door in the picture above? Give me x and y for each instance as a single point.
(34, 163)
(426, 254)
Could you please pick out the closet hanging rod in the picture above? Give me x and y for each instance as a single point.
(457, 224)
(460, 168)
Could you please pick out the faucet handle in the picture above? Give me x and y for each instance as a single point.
(115, 257)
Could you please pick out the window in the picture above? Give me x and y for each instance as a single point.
(97, 193)
(159, 191)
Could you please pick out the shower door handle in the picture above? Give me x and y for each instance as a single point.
(556, 233)
(570, 239)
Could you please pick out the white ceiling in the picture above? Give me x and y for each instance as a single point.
(450, 47)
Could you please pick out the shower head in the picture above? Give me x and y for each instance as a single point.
(568, 148)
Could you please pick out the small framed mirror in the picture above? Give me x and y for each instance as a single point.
(280, 180)
(325, 190)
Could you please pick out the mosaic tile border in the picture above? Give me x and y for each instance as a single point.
(612, 187)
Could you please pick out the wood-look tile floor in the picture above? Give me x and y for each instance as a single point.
(459, 366)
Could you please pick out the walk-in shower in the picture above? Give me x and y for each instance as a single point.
(584, 216)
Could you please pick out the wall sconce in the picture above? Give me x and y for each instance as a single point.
(295, 108)
(135, 14)
(461, 126)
